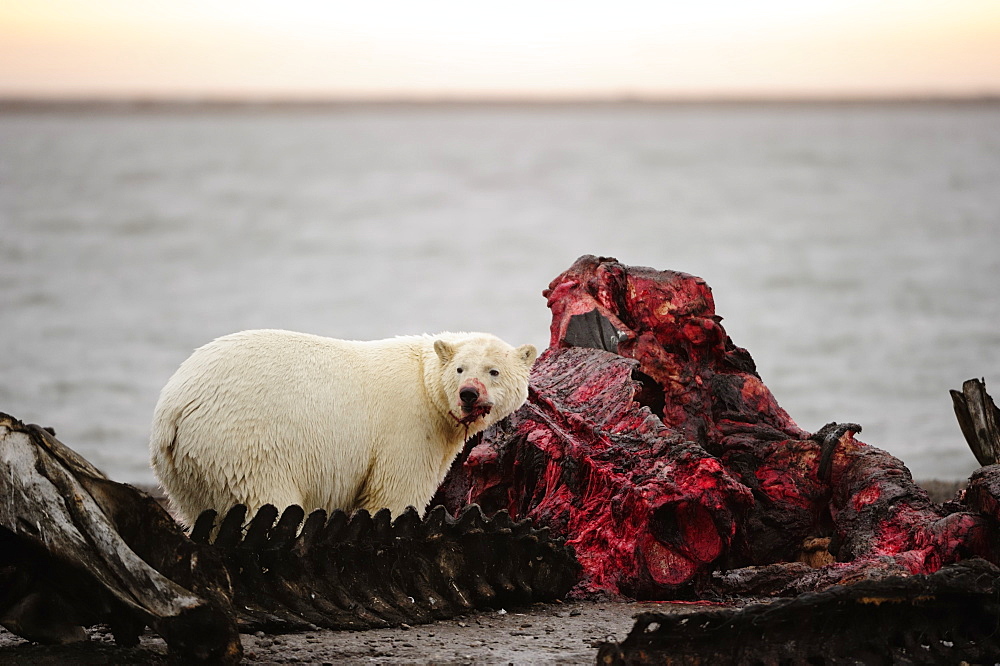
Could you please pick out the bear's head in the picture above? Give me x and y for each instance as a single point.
(484, 379)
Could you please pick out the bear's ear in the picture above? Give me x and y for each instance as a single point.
(444, 350)
(527, 353)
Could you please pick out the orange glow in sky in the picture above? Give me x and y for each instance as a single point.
(436, 48)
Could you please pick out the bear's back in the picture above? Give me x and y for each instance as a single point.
(293, 377)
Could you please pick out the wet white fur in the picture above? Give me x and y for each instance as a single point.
(286, 418)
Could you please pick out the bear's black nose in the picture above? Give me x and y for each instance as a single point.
(468, 396)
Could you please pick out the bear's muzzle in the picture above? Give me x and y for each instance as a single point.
(474, 398)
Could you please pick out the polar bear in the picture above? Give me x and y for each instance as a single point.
(277, 417)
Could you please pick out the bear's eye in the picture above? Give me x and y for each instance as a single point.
(494, 373)
(460, 370)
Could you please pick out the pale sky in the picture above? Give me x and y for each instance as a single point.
(470, 48)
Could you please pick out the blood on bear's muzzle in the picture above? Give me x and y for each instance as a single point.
(473, 398)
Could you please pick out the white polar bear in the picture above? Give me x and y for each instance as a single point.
(276, 417)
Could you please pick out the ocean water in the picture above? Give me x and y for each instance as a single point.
(853, 249)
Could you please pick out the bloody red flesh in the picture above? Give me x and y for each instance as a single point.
(670, 458)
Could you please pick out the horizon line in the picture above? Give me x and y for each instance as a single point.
(138, 102)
